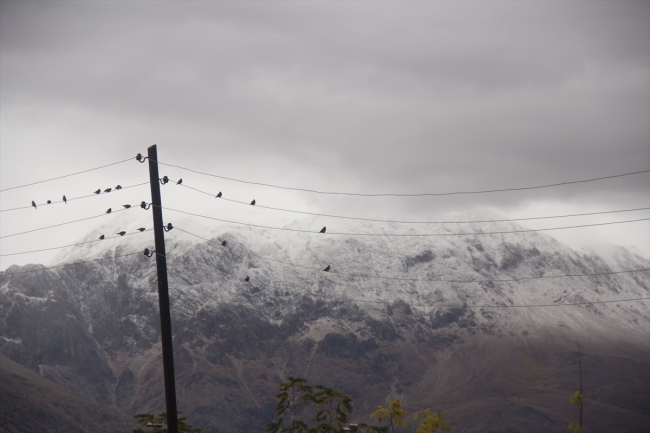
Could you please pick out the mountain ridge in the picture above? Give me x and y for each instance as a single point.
(371, 337)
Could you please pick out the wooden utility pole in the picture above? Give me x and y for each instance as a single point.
(163, 293)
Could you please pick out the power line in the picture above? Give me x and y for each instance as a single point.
(73, 198)
(429, 280)
(65, 223)
(404, 234)
(66, 175)
(73, 245)
(462, 306)
(416, 222)
(405, 195)
(3, 274)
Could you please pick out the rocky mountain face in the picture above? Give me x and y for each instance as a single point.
(436, 321)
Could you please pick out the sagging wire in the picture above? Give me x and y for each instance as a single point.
(65, 200)
(437, 306)
(407, 194)
(481, 233)
(220, 195)
(438, 280)
(109, 211)
(101, 238)
(4, 274)
(66, 175)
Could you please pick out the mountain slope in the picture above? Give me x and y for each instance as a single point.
(432, 320)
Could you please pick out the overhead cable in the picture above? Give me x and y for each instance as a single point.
(405, 234)
(418, 222)
(438, 280)
(66, 175)
(117, 236)
(65, 223)
(461, 306)
(4, 274)
(73, 198)
(406, 194)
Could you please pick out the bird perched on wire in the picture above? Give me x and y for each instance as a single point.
(49, 202)
(253, 202)
(108, 189)
(141, 229)
(122, 233)
(101, 237)
(218, 195)
(126, 206)
(118, 187)
(164, 180)
(223, 244)
(65, 200)
(327, 269)
(323, 230)
(34, 204)
(98, 191)
(109, 210)
(179, 181)
(247, 279)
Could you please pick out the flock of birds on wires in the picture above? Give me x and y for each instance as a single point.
(165, 180)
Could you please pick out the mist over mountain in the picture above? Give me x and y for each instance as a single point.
(436, 321)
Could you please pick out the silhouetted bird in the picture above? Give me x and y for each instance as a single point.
(122, 233)
(101, 237)
(218, 195)
(253, 202)
(65, 200)
(247, 279)
(141, 229)
(49, 202)
(223, 243)
(179, 181)
(323, 230)
(126, 206)
(146, 252)
(118, 187)
(108, 189)
(98, 191)
(327, 269)
(109, 210)
(34, 204)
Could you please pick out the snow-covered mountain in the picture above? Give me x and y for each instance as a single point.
(441, 321)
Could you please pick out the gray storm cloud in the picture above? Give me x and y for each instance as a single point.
(368, 97)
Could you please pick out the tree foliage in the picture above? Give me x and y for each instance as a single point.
(575, 428)
(432, 422)
(302, 408)
(294, 392)
(394, 415)
(576, 399)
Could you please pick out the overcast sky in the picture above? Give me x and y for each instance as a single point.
(373, 97)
